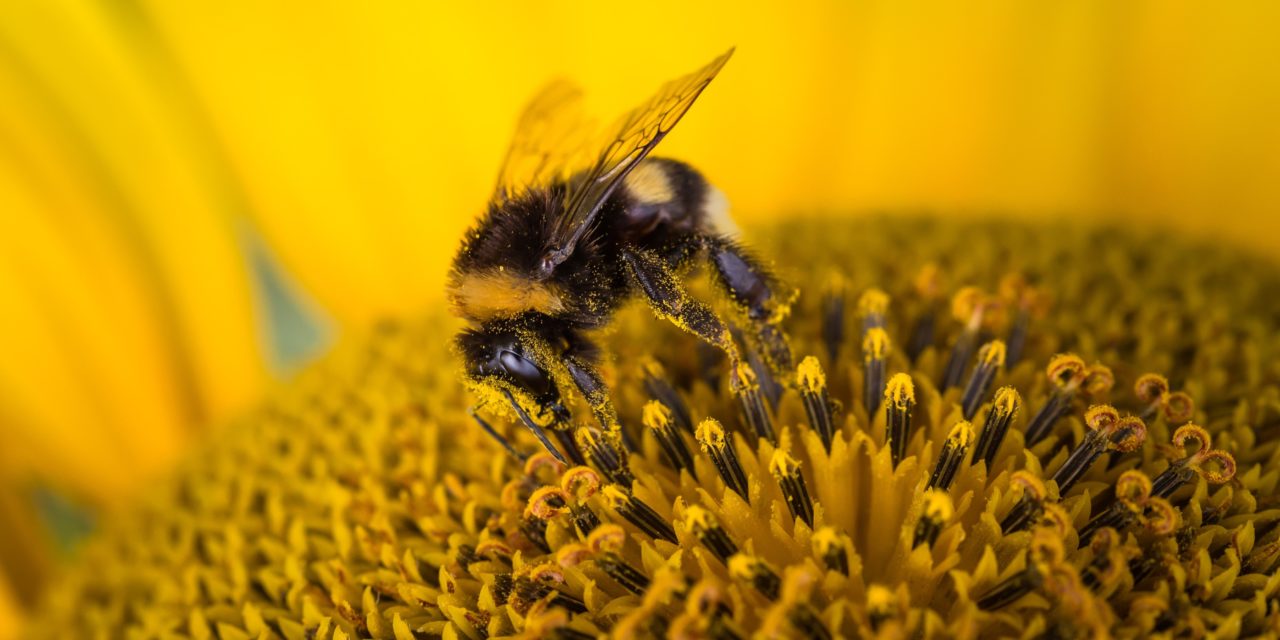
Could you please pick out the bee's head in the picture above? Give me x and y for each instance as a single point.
(506, 359)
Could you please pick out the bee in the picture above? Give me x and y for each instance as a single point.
(571, 232)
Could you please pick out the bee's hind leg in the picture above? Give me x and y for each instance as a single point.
(765, 300)
(669, 300)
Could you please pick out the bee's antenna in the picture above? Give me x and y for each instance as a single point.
(533, 426)
(506, 444)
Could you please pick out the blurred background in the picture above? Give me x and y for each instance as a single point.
(197, 196)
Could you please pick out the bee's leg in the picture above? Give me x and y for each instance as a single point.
(765, 301)
(493, 433)
(670, 301)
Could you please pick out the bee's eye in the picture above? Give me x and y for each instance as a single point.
(524, 372)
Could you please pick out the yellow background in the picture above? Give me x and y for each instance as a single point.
(142, 143)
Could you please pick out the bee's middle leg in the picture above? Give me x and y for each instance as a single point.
(668, 298)
(764, 299)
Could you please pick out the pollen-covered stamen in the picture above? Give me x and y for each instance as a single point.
(786, 471)
(875, 349)
(1149, 389)
(747, 388)
(706, 614)
(661, 423)
(749, 568)
(638, 513)
(990, 360)
(1108, 564)
(954, 450)
(1177, 407)
(873, 305)
(605, 453)
(1133, 490)
(833, 547)
(1066, 372)
(936, 511)
(581, 483)
(1029, 506)
(544, 581)
(1108, 431)
(704, 526)
(833, 304)
(1027, 301)
(655, 382)
(716, 443)
(1003, 408)
(605, 544)
(1215, 465)
(927, 286)
(900, 399)
(1098, 381)
(1043, 555)
(968, 306)
(817, 403)
(547, 503)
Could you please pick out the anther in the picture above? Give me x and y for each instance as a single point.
(703, 525)
(900, 399)
(1003, 408)
(990, 360)
(786, 471)
(638, 513)
(604, 453)
(833, 547)
(747, 389)
(655, 382)
(1133, 491)
(875, 348)
(1066, 372)
(817, 403)
(754, 570)
(954, 450)
(968, 306)
(882, 605)
(715, 443)
(935, 513)
(833, 316)
(661, 423)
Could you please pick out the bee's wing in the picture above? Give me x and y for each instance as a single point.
(635, 135)
(549, 134)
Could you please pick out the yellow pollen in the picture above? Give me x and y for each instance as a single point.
(1065, 369)
(961, 435)
(710, 434)
(656, 415)
(615, 496)
(826, 539)
(1101, 416)
(782, 465)
(810, 375)
(607, 537)
(873, 302)
(699, 519)
(745, 377)
(938, 506)
(881, 601)
(1006, 400)
(875, 344)
(992, 353)
(900, 391)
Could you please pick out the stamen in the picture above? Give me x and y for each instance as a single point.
(817, 403)
(540, 582)
(605, 455)
(638, 513)
(660, 421)
(1028, 506)
(1003, 408)
(715, 443)
(832, 546)
(900, 399)
(875, 348)
(703, 525)
(833, 316)
(786, 471)
(990, 361)
(655, 382)
(1029, 302)
(1107, 432)
(747, 389)
(754, 570)
(967, 306)
(606, 543)
(926, 286)
(872, 307)
(581, 483)
(935, 513)
(882, 605)
(547, 503)
(1066, 372)
(1133, 490)
(954, 450)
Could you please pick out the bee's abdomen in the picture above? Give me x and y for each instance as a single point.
(665, 196)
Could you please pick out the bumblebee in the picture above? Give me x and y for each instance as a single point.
(571, 232)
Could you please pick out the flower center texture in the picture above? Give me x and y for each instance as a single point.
(993, 430)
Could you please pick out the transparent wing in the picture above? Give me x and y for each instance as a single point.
(635, 135)
(550, 133)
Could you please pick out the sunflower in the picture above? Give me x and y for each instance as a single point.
(996, 430)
